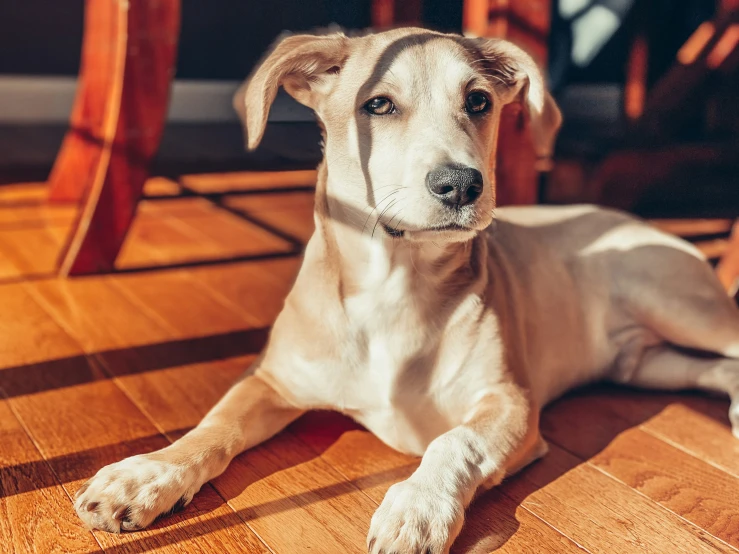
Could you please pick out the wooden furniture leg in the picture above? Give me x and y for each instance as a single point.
(728, 267)
(128, 61)
(526, 23)
(393, 13)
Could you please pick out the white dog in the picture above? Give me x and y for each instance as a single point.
(441, 330)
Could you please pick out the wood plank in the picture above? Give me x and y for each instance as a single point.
(704, 434)
(209, 183)
(75, 305)
(161, 186)
(21, 193)
(298, 226)
(495, 523)
(611, 411)
(692, 227)
(133, 340)
(36, 215)
(183, 206)
(27, 334)
(154, 241)
(36, 515)
(167, 237)
(601, 514)
(337, 439)
(178, 396)
(272, 202)
(131, 337)
(291, 214)
(692, 489)
(33, 250)
(8, 270)
(235, 236)
(713, 249)
(257, 289)
(284, 485)
(609, 436)
(728, 267)
(184, 304)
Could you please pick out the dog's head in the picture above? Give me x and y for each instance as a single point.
(410, 119)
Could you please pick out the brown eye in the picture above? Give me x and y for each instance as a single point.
(379, 106)
(476, 102)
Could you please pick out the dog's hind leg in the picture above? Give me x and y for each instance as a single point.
(710, 325)
(689, 308)
(689, 312)
(666, 368)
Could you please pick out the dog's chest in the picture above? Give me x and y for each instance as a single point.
(391, 387)
(400, 377)
(406, 362)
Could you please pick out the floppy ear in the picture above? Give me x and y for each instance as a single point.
(305, 65)
(521, 79)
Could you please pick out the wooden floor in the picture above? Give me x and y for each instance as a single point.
(96, 369)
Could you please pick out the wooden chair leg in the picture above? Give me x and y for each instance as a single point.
(526, 23)
(393, 13)
(128, 61)
(728, 267)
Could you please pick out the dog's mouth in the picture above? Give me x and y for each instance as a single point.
(451, 228)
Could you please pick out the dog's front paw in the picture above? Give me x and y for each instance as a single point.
(414, 518)
(130, 494)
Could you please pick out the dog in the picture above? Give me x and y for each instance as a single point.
(442, 329)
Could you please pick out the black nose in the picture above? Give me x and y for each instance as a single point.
(455, 185)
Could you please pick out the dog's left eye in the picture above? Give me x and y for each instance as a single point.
(476, 102)
(379, 106)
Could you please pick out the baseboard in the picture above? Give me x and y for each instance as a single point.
(48, 100)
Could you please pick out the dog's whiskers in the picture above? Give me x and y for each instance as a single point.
(380, 216)
(391, 220)
(389, 185)
(400, 222)
(377, 206)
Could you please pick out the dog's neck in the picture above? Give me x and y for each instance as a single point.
(364, 258)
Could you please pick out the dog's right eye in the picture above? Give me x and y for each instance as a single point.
(379, 106)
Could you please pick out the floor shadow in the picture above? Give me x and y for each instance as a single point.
(68, 468)
(303, 442)
(292, 253)
(77, 370)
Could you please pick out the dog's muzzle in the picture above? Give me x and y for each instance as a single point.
(455, 185)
